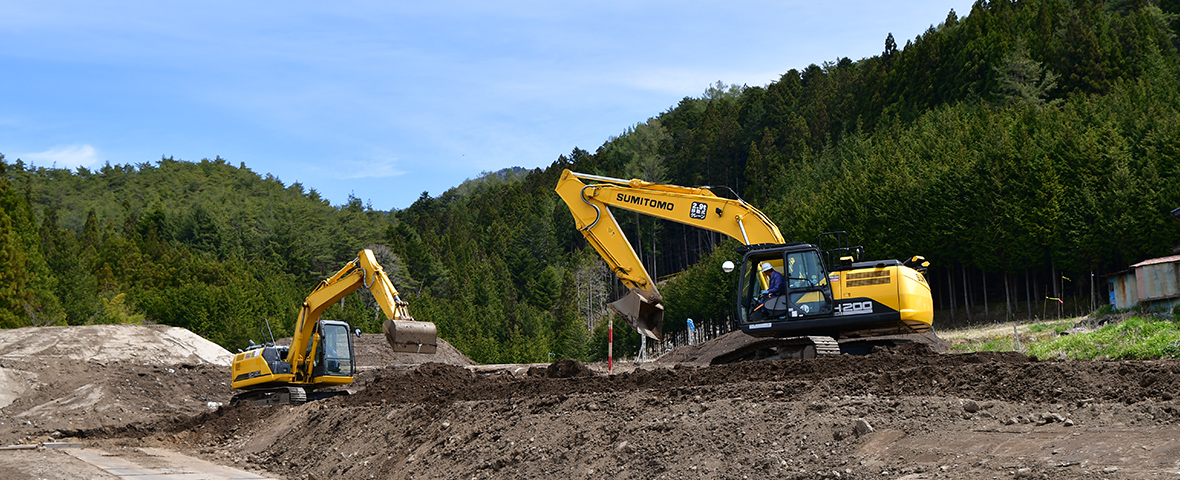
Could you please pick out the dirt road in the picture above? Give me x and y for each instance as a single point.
(908, 413)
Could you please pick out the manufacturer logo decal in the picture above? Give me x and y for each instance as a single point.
(854, 308)
(647, 202)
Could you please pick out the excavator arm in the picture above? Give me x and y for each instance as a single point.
(699, 207)
(401, 331)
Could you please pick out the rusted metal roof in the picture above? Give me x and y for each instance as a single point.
(1157, 261)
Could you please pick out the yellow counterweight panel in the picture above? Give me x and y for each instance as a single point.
(917, 305)
(879, 284)
(900, 288)
(252, 361)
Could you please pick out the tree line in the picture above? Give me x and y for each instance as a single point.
(1014, 147)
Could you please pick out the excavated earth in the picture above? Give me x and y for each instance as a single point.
(906, 413)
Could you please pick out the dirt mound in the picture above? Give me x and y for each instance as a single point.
(104, 378)
(87, 378)
(373, 351)
(147, 344)
(703, 353)
(901, 413)
(63, 397)
(566, 368)
(919, 349)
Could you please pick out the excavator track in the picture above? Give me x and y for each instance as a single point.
(799, 348)
(272, 396)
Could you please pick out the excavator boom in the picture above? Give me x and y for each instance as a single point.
(643, 305)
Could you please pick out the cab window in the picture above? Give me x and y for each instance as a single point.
(337, 356)
(805, 271)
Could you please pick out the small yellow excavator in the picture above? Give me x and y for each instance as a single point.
(824, 294)
(321, 351)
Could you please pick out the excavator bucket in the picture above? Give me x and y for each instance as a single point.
(411, 336)
(644, 310)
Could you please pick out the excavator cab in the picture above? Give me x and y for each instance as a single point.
(335, 357)
(852, 299)
(805, 292)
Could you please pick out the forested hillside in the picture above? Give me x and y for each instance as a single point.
(1020, 148)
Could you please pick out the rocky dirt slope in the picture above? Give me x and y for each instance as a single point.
(62, 380)
(907, 413)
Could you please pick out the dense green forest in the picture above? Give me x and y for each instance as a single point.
(1021, 148)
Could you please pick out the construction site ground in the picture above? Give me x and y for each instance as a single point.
(153, 402)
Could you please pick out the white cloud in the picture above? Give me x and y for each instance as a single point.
(359, 169)
(64, 156)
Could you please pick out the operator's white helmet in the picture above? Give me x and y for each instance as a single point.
(765, 267)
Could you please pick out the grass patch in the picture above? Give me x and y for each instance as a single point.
(1055, 328)
(1133, 338)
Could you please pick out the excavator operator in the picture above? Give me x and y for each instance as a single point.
(774, 298)
(775, 283)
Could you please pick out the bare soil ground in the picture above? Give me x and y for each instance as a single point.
(907, 413)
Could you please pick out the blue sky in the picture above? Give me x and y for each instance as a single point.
(385, 100)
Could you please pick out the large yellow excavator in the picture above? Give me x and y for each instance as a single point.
(321, 351)
(823, 294)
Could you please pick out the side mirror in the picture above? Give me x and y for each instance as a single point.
(358, 333)
(727, 267)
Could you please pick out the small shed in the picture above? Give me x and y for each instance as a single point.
(1124, 290)
(1155, 283)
